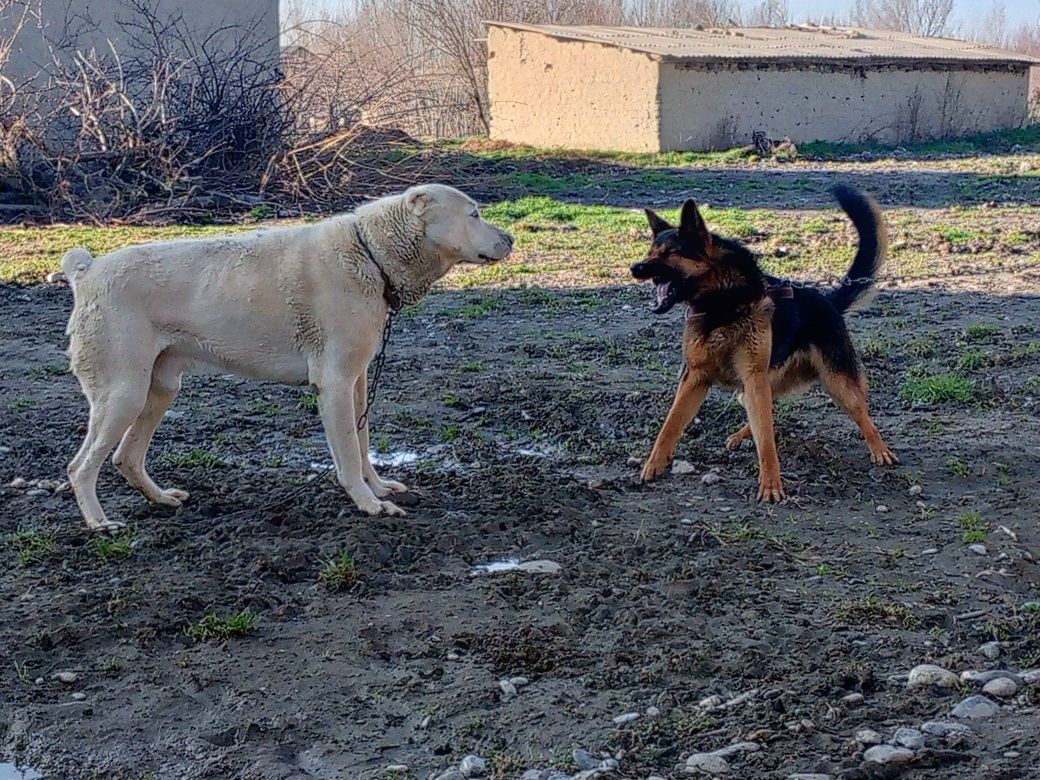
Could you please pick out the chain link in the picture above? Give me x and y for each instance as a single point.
(377, 362)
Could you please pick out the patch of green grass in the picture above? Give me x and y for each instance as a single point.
(266, 408)
(113, 548)
(338, 572)
(450, 433)
(973, 360)
(940, 388)
(957, 235)
(193, 458)
(922, 347)
(873, 611)
(957, 467)
(981, 331)
(974, 528)
(28, 254)
(31, 546)
(309, 402)
(1033, 385)
(996, 142)
(263, 211)
(212, 626)
(476, 147)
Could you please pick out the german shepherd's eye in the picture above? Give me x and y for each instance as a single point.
(475, 214)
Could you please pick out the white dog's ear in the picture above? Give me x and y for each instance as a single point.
(417, 200)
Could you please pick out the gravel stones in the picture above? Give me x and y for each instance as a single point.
(930, 675)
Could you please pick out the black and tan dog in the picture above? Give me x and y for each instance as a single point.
(755, 333)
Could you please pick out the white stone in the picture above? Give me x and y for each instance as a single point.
(886, 754)
(710, 478)
(66, 677)
(911, 739)
(473, 766)
(930, 551)
(868, 737)
(852, 699)
(975, 708)
(1031, 677)
(707, 763)
(915, 490)
(540, 567)
(681, 467)
(926, 675)
(653, 712)
(944, 729)
(882, 508)
(628, 717)
(78, 696)
(508, 689)
(1002, 688)
(978, 549)
(991, 650)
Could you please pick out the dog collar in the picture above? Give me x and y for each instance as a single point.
(390, 293)
(785, 292)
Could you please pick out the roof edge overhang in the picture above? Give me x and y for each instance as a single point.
(1013, 58)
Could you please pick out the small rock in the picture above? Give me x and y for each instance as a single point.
(710, 478)
(1002, 688)
(540, 567)
(709, 702)
(507, 688)
(519, 682)
(739, 747)
(451, 774)
(1011, 754)
(1031, 677)
(886, 755)
(852, 699)
(79, 696)
(926, 675)
(944, 729)
(706, 763)
(583, 759)
(915, 490)
(65, 677)
(628, 717)
(978, 549)
(868, 737)
(990, 650)
(37, 493)
(981, 678)
(911, 739)
(653, 712)
(473, 766)
(681, 467)
(38, 681)
(930, 551)
(975, 708)
(881, 508)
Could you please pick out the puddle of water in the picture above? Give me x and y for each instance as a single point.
(393, 459)
(14, 772)
(505, 564)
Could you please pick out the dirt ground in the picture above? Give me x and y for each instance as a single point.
(517, 428)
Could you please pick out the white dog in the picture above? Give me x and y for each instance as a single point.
(297, 305)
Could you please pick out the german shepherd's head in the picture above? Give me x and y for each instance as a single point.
(687, 261)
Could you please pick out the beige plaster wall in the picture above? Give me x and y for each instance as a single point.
(546, 92)
(721, 107)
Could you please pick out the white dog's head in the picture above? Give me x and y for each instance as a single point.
(455, 231)
(423, 232)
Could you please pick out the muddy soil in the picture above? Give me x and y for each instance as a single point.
(523, 422)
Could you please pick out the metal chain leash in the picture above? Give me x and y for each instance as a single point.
(377, 362)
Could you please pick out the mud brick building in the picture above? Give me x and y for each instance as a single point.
(650, 90)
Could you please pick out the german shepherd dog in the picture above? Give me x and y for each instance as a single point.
(758, 334)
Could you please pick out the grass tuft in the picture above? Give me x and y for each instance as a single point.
(113, 548)
(339, 572)
(31, 546)
(937, 389)
(214, 627)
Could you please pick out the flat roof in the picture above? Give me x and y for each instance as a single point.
(794, 43)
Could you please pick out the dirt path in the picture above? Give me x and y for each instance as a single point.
(523, 421)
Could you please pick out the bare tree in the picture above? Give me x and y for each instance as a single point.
(770, 13)
(920, 17)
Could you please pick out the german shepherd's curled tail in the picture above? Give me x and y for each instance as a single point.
(858, 288)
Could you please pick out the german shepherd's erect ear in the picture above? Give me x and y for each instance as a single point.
(692, 225)
(657, 225)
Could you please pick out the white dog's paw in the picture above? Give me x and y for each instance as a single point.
(375, 508)
(172, 497)
(105, 526)
(387, 487)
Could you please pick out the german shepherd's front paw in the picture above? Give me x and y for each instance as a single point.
(771, 489)
(652, 469)
(883, 456)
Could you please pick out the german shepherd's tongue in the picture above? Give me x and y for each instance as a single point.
(666, 295)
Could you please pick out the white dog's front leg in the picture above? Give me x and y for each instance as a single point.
(381, 487)
(336, 406)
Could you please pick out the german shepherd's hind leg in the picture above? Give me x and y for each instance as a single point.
(688, 399)
(850, 393)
